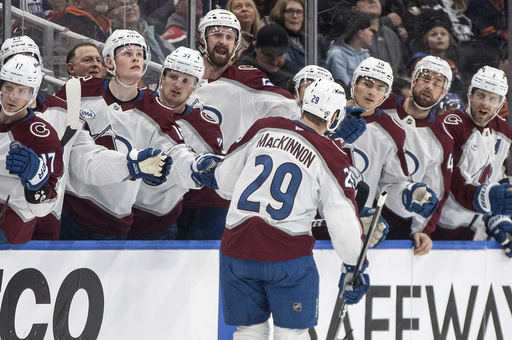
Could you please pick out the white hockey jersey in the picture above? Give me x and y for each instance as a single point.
(140, 123)
(242, 95)
(479, 157)
(277, 176)
(92, 161)
(429, 149)
(379, 155)
(19, 219)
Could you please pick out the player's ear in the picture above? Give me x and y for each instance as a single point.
(70, 68)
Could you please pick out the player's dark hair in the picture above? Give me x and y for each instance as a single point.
(72, 52)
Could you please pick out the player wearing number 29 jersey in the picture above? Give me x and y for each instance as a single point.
(278, 175)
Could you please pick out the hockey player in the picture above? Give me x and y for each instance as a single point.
(120, 117)
(277, 176)
(180, 75)
(429, 154)
(19, 45)
(89, 157)
(379, 155)
(306, 76)
(30, 152)
(482, 144)
(235, 96)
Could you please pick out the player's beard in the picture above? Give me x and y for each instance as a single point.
(422, 101)
(219, 61)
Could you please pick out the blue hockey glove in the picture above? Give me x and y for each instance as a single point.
(420, 199)
(381, 229)
(354, 293)
(151, 165)
(500, 227)
(203, 170)
(25, 163)
(493, 198)
(352, 126)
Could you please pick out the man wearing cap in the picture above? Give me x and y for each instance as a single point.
(269, 55)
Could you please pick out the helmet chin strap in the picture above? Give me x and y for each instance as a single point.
(10, 114)
(126, 85)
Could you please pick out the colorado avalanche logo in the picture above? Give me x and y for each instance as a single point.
(452, 119)
(39, 129)
(413, 164)
(212, 112)
(207, 117)
(87, 114)
(361, 160)
(246, 67)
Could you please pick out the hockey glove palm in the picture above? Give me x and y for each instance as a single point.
(25, 163)
(420, 199)
(500, 227)
(352, 126)
(353, 293)
(152, 165)
(203, 170)
(495, 198)
(381, 229)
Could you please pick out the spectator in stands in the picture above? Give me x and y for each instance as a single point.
(250, 21)
(450, 102)
(156, 13)
(482, 145)
(269, 55)
(385, 44)
(489, 21)
(290, 15)
(84, 60)
(350, 48)
(264, 7)
(176, 26)
(204, 213)
(40, 8)
(125, 14)
(437, 40)
(234, 96)
(429, 148)
(86, 17)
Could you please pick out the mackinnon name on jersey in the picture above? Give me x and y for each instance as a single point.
(293, 146)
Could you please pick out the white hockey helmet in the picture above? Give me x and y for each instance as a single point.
(17, 45)
(219, 17)
(490, 79)
(312, 72)
(435, 64)
(325, 98)
(22, 70)
(121, 38)
(185, 60)
(374, 68)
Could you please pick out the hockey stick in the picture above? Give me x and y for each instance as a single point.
(363, 191)
(73, 98)
(340, 308)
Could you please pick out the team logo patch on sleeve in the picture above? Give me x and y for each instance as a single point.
(207, 118)
(453, 119)
(39, 129)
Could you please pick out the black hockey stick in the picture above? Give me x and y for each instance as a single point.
(73, 98)
(340, 308)
(363, 191)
